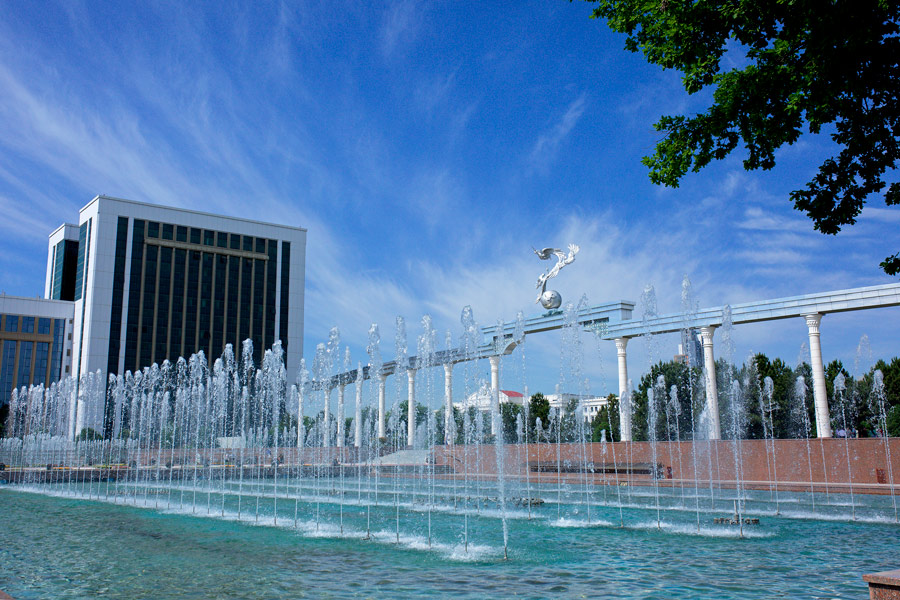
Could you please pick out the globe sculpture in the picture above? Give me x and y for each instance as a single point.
(551, 299)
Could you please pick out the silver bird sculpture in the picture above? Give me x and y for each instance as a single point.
(562, 259)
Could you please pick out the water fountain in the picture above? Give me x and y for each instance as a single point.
(237, 444)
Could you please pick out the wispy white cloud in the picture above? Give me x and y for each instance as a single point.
(399, 26)
(405, 215)
(546, 147)
(756, 218)
(434, 91)
(881, 215)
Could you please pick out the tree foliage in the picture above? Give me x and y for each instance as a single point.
(538, 408)
(508, 413)
(668, 409)
(801, 65)
(607, 419)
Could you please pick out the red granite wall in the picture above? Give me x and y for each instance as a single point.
(793, 463)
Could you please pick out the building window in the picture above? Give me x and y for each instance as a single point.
(56, 360)
(285, 295)
(42, 356)
(118, 296)
(6, 370)
(24, 375)
(12, 323)
(84, 240)
(27, 324)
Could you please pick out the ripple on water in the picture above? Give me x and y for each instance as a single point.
(59, 547)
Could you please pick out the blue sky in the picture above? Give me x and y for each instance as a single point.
(426, 147)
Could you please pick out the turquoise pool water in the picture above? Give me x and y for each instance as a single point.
(151, 543)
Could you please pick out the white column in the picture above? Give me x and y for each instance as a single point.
(495, 392)
(381, 377)
(357, 414)
(448, 403)
(411, 409)
(712, 388)
(624, 406)
(340, 416)
(823, 418)
(326, 421)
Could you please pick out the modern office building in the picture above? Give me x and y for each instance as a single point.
(62, 263)
(153, 283)
(35, 342)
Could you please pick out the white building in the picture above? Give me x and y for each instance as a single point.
(153, 283)
(591, 405)
(482, 399)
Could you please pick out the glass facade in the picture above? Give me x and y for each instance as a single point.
(34, 356)
(285, 294)
(7, 370)
(12, 323)
(197, 289)
(23, 377)
(41, 362)
(59, 332)
(65, 264)
(79, 265)
(115, 315)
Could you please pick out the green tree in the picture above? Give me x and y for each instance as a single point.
(88, 434)
(569, 427)
(538, 408)
(779, 410)
(673, 373)
(893, 421)
(808, 406)
(800, 65)
(607, 418)
(508, 413)
(440, 434)
(891, 373)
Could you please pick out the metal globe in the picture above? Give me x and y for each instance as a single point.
(551, 299)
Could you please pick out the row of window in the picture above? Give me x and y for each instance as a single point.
(206, 237)
(23, 324)
(181, 301)
(25, 363)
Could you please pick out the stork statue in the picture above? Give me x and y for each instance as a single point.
(551, 299)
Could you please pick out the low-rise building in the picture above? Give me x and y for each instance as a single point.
(35, 342)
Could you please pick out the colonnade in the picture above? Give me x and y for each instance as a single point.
(813, 320)
(381, 381)
(823, 418)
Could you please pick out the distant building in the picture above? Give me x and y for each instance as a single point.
(690, 350)
(482, 399)
(591, 405)
(35, 342)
